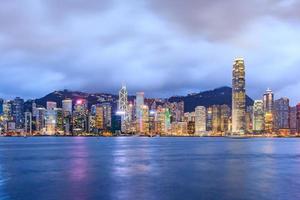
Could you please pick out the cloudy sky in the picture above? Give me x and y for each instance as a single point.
(162, 47)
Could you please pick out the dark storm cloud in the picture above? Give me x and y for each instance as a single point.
(164, 47)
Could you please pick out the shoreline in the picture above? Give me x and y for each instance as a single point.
(144, 136)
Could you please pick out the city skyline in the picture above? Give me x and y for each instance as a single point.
(50, 45)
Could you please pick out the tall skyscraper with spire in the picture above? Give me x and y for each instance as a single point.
(123, 107)
(238, 97)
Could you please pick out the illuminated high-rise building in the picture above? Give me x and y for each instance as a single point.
(281, 114)
(139, 103)
(144, 127)
(258, 116)
(7, 110)
(209, 118)
(18, 112)
(268, 100)
(225, 113)
(123, 107)
(40, 120)
(238, 97)
(34, 109)
(269, 122)
(163, 117)
(28, 123)
(298, 118)
(50, 121)
(216, 119)
(80, 117)
(200, 120)
(99, 120)
(293, 119)
(59, 120)
(107, 115)
(67, 107)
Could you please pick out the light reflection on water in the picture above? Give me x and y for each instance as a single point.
(149, 168)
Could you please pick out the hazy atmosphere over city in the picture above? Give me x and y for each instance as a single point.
(164, 48)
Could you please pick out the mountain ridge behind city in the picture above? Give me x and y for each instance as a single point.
(218, 96)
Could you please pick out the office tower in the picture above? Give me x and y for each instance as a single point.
(18, 112)
(99, 118)
(59, 120)
(40, 120)
(131, 112)
(92, 124)
(293, 119)
(34, 109)
(28, 123)
(298, 118)
(80, 117)
(238, 97)
(51, 105)
(209, 119)
(225, 113)
(144, 127)
(50, 121)
(139, 103)
(7, 110)
(281, 114)
(216, 119)
(163, 117)
(107, 115)
(258, 116)
(249, 119)
(200, 120)
(269, 122)
(268, 101)
(67, 106)
(123, 107)
(152, 129)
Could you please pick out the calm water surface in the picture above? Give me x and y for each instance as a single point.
(149, 168)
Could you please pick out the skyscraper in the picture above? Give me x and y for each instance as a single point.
(139, 103)
(40, 120)
(99, 120)
(225, 117)
(67, 106)
(107, 115)
(258, 116)
(298, 118)
(268, 101)
(28, 123)
(200, 120)
(293, 119)
(216, 119)
(238, 97)
(281, 113)
(18, 112)
(123, 107)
